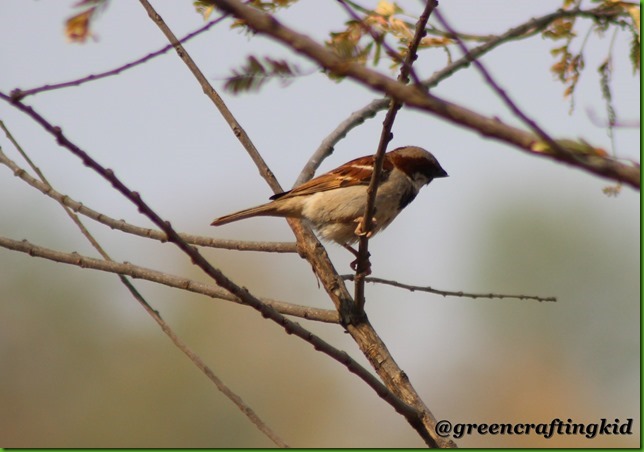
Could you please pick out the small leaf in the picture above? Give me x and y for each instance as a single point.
(385, 8)
(634, 12)
(254, 74)
(635, 53)
(612, 190)
(77, 27)
(204, 7)
(435, 42)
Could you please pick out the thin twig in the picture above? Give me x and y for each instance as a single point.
(209, 91)
(169, 280)
(121, 225)
(531, 123)
(21, 94)
(385, 138)
(447, 293)
(221, 386)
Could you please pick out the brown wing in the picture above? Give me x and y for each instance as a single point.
(355, 172)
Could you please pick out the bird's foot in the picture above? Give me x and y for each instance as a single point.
(360, 229)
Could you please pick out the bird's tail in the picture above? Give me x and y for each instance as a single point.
(268, 209)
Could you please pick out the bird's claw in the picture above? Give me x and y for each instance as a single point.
(360, 229)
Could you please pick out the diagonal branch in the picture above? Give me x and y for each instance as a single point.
(413, 96)
(121, 225)
(532, 124)
(308, 245)
(239, 132)
(166, 279)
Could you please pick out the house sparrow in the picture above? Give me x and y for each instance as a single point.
(334, 202)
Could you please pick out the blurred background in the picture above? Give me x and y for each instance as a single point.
(81, 363)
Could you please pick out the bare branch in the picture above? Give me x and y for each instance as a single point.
(21, 94)
(448, 293)
(121, 225)
(603, 166)
(166, 279)
(209, 91)
(221, 386)
(326, 146)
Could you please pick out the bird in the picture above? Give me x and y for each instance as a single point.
(334, 202)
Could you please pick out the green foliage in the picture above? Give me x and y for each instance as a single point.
(605, 72)
(254, 74)
(635, 52)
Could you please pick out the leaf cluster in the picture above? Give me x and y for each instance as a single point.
(569, 63)
(363, 39)
(255, 73)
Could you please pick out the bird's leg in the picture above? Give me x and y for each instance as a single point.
(350, 249)
(354, 264)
